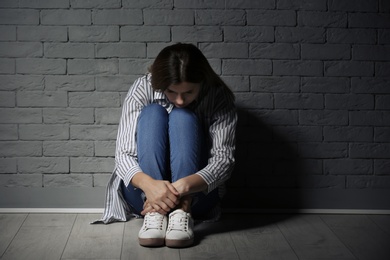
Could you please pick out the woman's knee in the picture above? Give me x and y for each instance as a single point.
(183, 116)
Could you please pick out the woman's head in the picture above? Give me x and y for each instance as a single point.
(183, 66)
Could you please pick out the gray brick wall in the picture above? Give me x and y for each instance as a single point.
(312, 81)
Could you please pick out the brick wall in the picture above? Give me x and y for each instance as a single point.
(312, 81)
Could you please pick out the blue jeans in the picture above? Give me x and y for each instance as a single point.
(170, 147)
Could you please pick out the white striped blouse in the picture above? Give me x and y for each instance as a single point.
(217, 114)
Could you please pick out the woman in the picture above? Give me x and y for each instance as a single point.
(175, 148)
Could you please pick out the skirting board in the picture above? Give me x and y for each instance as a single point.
(91, 200)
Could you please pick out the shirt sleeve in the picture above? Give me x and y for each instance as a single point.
(222, 134)
(126, 162)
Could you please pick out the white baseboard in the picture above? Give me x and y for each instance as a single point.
(247, 211)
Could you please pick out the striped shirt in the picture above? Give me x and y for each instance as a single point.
(217, 114)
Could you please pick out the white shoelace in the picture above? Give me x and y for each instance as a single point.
(178, 222)
(153, 220)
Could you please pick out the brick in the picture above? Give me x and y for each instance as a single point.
(325, 85)
(247, 67)
(298, 101)
(377, 182)
(20, 50)
(69, 50)
(101, 180)
(7, 33)
(274, 84)
(20, 115)
(326, 51)
(68, 116)
(91, 164)
(371, 52)
(44, 3)
(199, 4)
(141, 4)
(68, 148)
(274, 51)
(93, 67)
(117, 17)
(357, 6)
(43, 132)
(134, 66)
(66, 17)
(369, 20)
(299, 133)
(21, 82)
(67, 180)
(300, 34)
(370, 85)
(104, 148)
(224, 50)
(220, 17)
(382, 167)
(271, 17)
(8, 165)
(382, 102)
(216, 65)
(348, 134)
(145, 33)
(382, 69)
(108, 115)
(94, 33)
(115, 83)
(121, 50)
(8, 132)
(248, 4)
(323, 150)
(94, 99)
(154, 48)
(196, 34)
(41, 66)
(382, 134)
(350, 35)
(254, 100)
(100, 4)
(237, 83)
(20, 148)
(349, 102)
(19, 16)
(168, 17)
(383, 37)
(9, 3)
(348, 167)
(93, 132)
(373, 118)
(42, 33)
(7, 66)
(349, 68)
(273, 117)
(43, 165)
(323, 117)
(248, 34)
(322, 182)
(20, 180)
(302, 5)
(322, 19)
(42, 99)
(69, 83)
(370, 150)
(297, 68)
(384, 6)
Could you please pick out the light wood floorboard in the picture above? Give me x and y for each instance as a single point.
(246, 236)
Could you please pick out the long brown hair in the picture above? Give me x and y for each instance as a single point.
(183, 62)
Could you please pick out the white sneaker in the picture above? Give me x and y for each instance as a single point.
(180, 229)
(153, 230)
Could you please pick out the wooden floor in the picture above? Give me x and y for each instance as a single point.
(70, 236)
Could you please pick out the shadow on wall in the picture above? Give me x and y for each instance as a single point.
(268, 169)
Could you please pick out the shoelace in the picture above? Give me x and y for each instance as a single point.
(178, 222)
(153, 221)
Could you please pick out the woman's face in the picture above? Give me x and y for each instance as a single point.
(182, 94)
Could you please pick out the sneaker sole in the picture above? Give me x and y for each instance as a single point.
(151, 242)
(179, 243)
